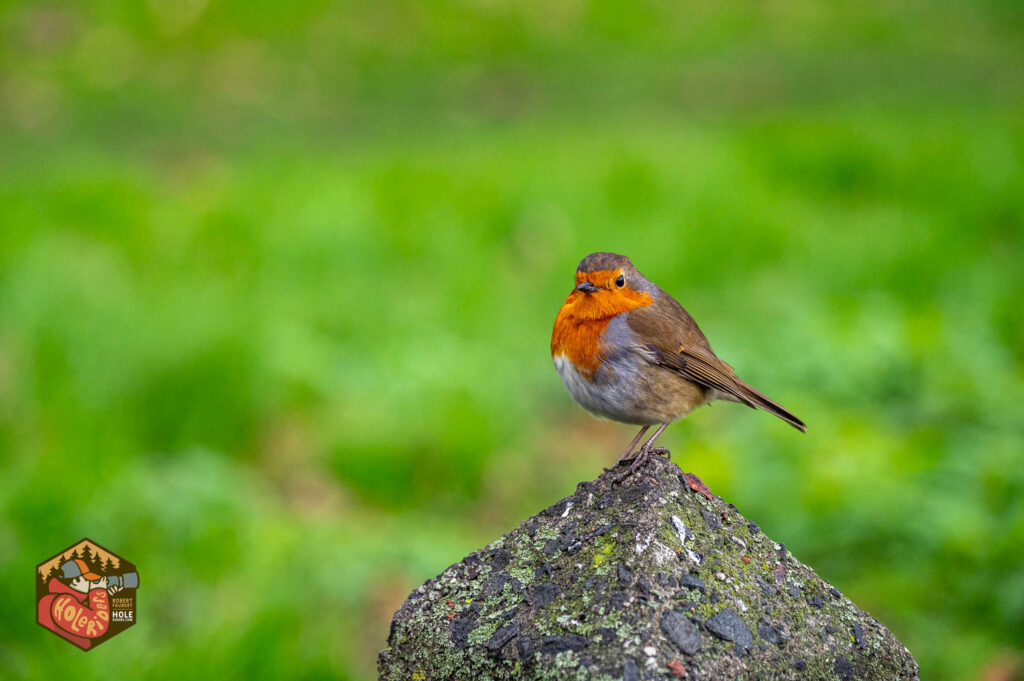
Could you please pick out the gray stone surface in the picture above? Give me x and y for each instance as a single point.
(636, 581)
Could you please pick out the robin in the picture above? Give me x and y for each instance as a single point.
(627, 351)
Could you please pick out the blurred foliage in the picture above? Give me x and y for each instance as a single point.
(277, 281)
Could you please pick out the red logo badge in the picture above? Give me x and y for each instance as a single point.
(86, 594)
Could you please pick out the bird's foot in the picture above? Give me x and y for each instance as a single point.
(625, 458)
(628, 457)
(636, 461)
(643, 451)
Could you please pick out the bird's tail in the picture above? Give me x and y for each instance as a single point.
(759, 401)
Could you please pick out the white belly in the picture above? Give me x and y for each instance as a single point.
(612, 394)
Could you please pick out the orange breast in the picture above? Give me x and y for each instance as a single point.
(582, 320)
(578, 341)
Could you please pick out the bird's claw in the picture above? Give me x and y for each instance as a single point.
(662, 451)
(636, 461)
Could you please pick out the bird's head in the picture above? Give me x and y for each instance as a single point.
(607, 285)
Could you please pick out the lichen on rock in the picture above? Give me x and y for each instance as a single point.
(646, 579)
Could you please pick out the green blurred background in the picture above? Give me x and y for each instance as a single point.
(277, 282)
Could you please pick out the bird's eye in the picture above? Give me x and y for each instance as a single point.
(621, 281)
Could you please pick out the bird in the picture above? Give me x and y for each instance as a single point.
(628, 351)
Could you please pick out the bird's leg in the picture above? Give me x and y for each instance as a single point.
(643, 454)
(629, 449)
(649, 445)
(626, 457)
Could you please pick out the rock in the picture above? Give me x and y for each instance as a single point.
(502, 636)
(843, 668)
(689, 581)
(728, 626)
(500, 559)
(681, 631)
(544, 593)
(625, 576)
(769, 633)
(858, 635)
(460, 629)
(495, 583)
(558, 644)
(524, 644)
(618, 582)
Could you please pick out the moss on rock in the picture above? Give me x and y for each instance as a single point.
(619, 582)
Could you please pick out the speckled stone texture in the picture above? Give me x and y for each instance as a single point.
(647, 579)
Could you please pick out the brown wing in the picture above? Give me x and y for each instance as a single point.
(704, 368)
(674, 341)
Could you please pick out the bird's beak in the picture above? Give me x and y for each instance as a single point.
(587, 287)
